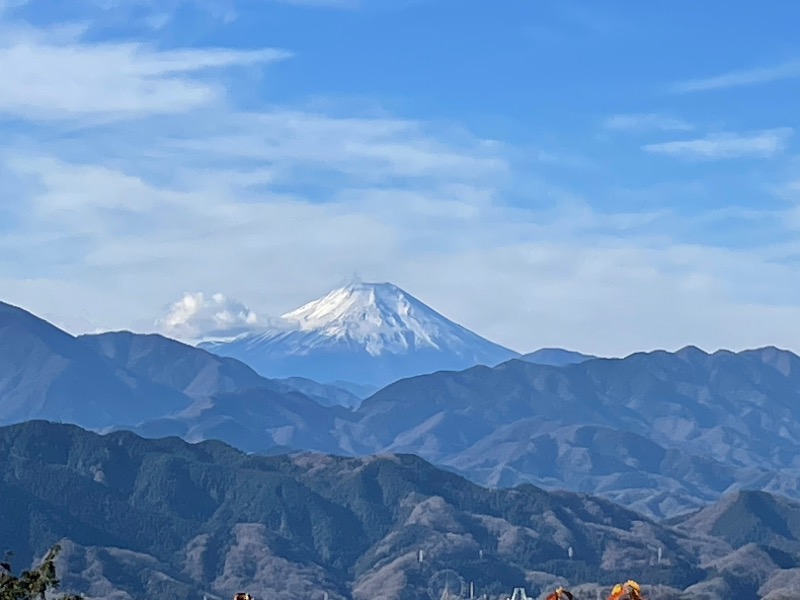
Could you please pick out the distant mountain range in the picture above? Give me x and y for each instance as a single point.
(121, 378)
(197, 373)
(706, 423)
(658, 432)
(367, 333)
(47, 373)
(164, 519)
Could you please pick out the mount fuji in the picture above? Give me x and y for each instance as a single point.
(367, 333)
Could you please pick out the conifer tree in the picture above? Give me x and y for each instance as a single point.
(34, 584)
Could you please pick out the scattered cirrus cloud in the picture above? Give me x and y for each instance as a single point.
(718, 146)
(53, 75)
(740, 78)
(136, 175)
(641, 122)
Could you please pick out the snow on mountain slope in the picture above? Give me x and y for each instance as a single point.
(370, 333)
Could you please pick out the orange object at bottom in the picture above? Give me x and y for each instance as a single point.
(630, 590)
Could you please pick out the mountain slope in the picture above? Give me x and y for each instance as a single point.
(122, 379)
(326, 394)
(660, 432)
(719, 421)
(162, 518)
(739, 409)
(47, 373)
(255, 420)
(748, 517)
(198, 373)
(366, 333)
(625, 467)
(756, 544)
(168, 362)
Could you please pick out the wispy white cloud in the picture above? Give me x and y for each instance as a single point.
(53, 75)
(740, 78)
(371, 149)
(762, 144)
(641, 122)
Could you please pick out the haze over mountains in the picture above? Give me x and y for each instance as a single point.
(117, 378)
(658, 432)
(47, 373)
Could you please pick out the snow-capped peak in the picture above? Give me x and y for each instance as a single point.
(379, 316)
(372, 333)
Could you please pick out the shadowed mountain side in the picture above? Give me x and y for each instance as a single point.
(114, 379)
(756, 544)
(740, 409)
(47, 373)
(749, 517)
(256, 420)
(198, 373)
(194, 372)
(625, 467)
(325, 394)
(661, 432)
(621, 428)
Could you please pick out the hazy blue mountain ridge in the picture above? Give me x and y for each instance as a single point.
(659, 432)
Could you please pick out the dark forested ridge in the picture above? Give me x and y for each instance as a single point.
(144, 518)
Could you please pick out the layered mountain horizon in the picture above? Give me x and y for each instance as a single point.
(695, 448)
(661, 432)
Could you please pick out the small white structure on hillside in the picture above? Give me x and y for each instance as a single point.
(519, 594)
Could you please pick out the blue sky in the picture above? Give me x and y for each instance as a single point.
(607, 177)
